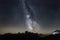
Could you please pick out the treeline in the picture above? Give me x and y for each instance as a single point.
(29, 36)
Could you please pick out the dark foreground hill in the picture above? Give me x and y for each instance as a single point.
(29, 36)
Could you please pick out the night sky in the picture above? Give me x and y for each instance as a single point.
(44, 13)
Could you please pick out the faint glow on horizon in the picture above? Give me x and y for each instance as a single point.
(55, 33)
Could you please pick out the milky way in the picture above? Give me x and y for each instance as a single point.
(31, 24)
(31, 15)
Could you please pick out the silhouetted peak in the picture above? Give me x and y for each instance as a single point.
(57, 31)
(18, 32)
(27, 32)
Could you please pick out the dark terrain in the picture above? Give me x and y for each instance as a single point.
(29, 36)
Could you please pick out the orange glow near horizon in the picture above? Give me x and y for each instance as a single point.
(17, 29)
